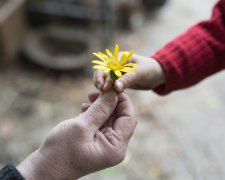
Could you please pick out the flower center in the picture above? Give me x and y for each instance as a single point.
(114, 66)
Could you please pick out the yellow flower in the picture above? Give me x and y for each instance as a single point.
(112, 63)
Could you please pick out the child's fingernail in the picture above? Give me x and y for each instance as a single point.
(99, 86)
(105, 86)
(119, 85)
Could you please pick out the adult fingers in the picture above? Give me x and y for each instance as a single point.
(99, 111)
(126, 122)
(93, 95)
(110, 121)
(84, 107)
(99, 79)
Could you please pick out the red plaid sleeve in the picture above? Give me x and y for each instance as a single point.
(194, 55)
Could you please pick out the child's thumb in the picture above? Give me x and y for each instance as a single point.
(126, 81)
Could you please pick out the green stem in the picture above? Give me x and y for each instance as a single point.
(113, 77)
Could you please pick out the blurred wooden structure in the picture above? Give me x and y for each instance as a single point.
(12, 27)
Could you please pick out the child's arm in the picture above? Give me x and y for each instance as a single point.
(194, 55)
(183, 62)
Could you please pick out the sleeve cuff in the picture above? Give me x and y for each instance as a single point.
(171, 74)
(9, 172)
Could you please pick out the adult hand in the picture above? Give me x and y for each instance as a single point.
(148, 76)
(95, 140)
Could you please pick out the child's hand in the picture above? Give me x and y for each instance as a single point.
(148, 76)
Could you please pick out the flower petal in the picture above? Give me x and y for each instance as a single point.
(125, 54)
(100, 57)
(105, 56)
(116, 52)
(128, 69)
(128, 57)
(99, 67)
(118, 73)
(98, 62)
(110, 55)
(106, 70)
(131, 64)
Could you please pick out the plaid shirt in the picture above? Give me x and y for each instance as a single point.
(194, 55)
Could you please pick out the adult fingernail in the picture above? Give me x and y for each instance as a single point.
(109, 96)
(84, 105)
(119, 85)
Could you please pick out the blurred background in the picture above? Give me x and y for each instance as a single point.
(46, 48)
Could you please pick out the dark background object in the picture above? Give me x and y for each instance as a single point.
(66, 27)
(42, 12)
(12, 28)
(100, 18)
(59, 48)
(153, 4)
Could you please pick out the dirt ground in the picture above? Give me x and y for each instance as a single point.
(178, 137)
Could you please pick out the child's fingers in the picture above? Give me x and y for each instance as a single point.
(108, 84)
(99, 79)
(126, 81)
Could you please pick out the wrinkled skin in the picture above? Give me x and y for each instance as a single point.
(94, 140)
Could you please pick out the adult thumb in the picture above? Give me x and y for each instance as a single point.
(126, 81)
(100, 111)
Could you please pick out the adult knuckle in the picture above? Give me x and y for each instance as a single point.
(79, 127)
(117, 154)
(119, 157)
(98, 111)
(51, 138)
